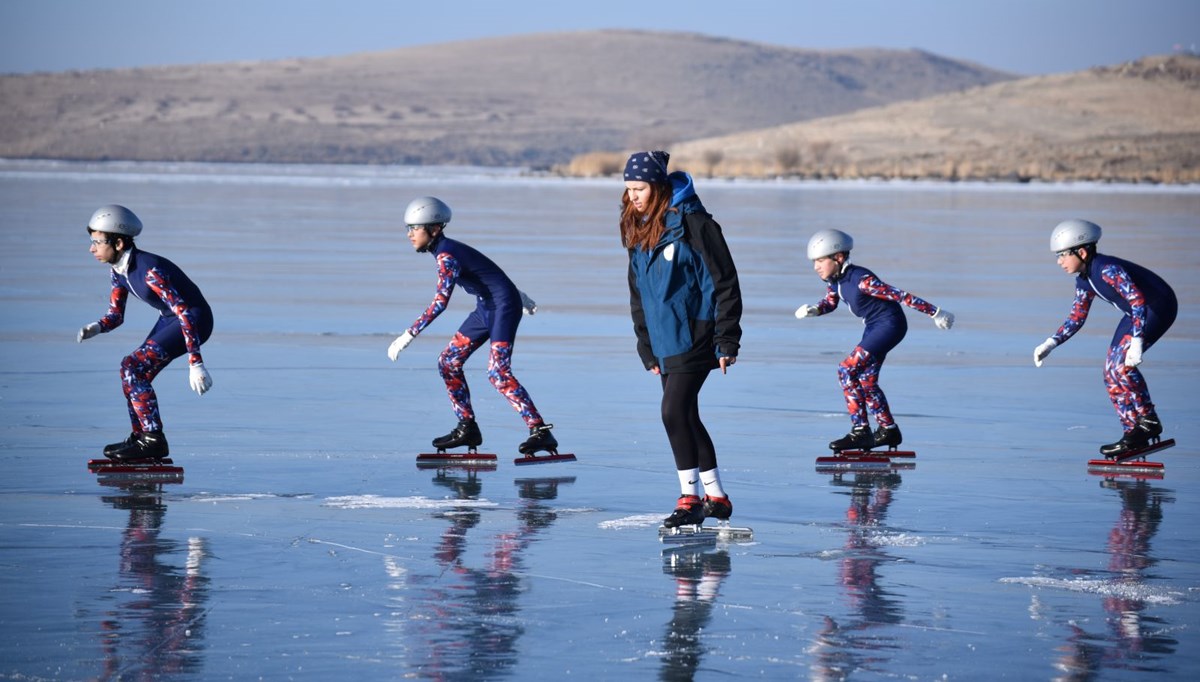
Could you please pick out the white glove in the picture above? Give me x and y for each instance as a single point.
(398, 345)
(1133, 356)
(199, 378)
(807, 311)
(1043, 350)
(528, 306)
(87, 331)
(943, 319)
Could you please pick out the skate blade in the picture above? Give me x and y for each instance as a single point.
(544, 459)
(876, 453)
(1108, 466)
(444, 458)
(704, 535)
(112, 472)
(106, 463)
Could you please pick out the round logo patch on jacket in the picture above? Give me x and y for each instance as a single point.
(669, 252)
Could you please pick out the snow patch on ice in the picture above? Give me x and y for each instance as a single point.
(378, 502)
(636, 521)
(1135, 591)
(242, 497)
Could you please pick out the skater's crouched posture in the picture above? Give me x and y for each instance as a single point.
(185, 321)
(1148, 305)
(687, 306)
(496, 317)
(878, 304)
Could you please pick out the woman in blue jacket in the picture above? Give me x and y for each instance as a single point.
(1148, 306)
(687, 307)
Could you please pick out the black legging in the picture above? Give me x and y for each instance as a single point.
(690, 442)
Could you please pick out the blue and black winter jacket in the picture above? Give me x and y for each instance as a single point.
(684, 294)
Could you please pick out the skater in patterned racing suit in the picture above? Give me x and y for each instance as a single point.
(185, 321)
(496, 316)
(878, 304)
(1148, 306)
(686, 305)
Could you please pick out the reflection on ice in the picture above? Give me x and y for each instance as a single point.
(1134, 640)
(159, 629)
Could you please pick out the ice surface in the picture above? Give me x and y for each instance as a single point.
(305, 543)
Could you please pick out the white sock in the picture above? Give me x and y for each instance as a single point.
(688, 478)
(712, 483)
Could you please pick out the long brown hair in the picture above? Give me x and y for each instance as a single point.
(642, 231)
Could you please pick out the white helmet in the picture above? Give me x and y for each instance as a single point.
(114, 219)
(1071, 234)
(828, 242)
(427, 211)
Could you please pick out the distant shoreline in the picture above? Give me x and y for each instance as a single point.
(385, 173)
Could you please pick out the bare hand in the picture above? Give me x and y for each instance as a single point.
(726, 362)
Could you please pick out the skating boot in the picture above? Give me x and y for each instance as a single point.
(689, 511)
(113, 447)
(150, 445)
(1131, 440)
(719, 508)
(889, 436)
(1151, 425)
(466, 433)
(539, 439)
(859, 438)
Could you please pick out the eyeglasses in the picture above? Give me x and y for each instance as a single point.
(414, 227)
(98, 242)
(1064, 253)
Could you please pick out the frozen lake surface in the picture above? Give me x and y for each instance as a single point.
(304, 542)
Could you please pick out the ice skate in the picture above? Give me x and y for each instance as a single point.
(113, 447)
(466, 433)
(719, 508)
(889, 436)
(540, 439)
(150, 445)
(1146, 431)
(689, 511)
(859, 438)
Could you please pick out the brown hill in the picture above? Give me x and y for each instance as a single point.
(1136, 122)
(528, 100)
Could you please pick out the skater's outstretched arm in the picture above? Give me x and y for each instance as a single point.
(448, 272)
(873, 286)
(823, 307)
(198, 377)
(116, 305)
(1074, 322)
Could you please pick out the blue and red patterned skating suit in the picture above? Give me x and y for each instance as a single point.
(496, 317)
(1148, 306)
(878, 304)
(185, 321)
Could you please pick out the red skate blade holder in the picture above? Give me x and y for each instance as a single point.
(526, 460)
(1133, 462)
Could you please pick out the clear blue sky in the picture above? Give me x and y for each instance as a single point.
(1022, 36)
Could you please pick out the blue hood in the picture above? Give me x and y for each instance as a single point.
(683, 197)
